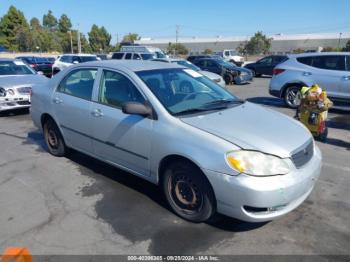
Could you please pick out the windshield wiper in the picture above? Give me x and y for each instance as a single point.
(223, 102)
(191, 111)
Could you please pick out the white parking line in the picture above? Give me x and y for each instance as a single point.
(344, 168)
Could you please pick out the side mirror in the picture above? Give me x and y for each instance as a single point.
(75, 62)
(136, 108)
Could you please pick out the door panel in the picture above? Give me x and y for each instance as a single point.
(72, 106)
(117, 137)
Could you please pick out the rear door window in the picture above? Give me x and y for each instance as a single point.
(79, 83)
(117, 55)
(335, 62)
(305, 60)
(136, 56)
(128, 56)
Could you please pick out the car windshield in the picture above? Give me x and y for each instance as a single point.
(184, 91)
(41, 60)
(147, 56)
(88, 58)
(187, 64)
(160, 55)
(233, 53)
(15, 68)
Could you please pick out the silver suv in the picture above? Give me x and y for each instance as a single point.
(331, 71)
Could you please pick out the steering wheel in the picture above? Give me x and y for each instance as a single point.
(194, 94)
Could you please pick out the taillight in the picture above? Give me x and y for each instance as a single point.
(277, 71)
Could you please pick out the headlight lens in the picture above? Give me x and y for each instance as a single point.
(256, 163)
(2, 92)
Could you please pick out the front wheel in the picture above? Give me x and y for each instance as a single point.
(188, 192)
(292, 96)
(54, 139)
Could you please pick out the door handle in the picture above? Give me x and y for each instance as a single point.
(307, 74)
(56, 100)
(97, 113)
(346, 78)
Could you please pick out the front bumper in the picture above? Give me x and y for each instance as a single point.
(260, 199)
(20, 101)
(240, 79)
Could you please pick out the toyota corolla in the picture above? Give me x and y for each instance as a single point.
(208, 150)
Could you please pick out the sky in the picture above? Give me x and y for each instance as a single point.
(206, 18)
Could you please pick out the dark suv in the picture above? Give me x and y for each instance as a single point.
(265, 65)
(39, 64)
(229, 71)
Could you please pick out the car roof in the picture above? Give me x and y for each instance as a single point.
(318, 54)
(8, 59)
(169, 60)
(77, 55)
(132, 65)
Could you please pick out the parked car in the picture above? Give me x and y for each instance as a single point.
(212, 76)
(39, 64)
(138, 53)
(231, 56)
(208, 151)
(16, 81)
(102, 56)
(66, 60)
(264, 66)
(329, 70)
(51, 59)
(192, 58)
(230, 72)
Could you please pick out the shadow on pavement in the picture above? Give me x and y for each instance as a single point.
(16, 112)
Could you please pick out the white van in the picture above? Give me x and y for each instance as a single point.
(136, 52)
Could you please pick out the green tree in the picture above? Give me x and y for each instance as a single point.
(177, 49)
(64, 24)
(347, 47)
(35, 23)
(130, 38)
(12, 24)
(50, 21)
(298, 51)
(208, 51)
(99, 39)
(259, 44)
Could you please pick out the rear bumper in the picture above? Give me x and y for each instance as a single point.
(260, 199)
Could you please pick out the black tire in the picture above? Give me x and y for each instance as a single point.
(292, 96)
(188, 192)
(53, 139)
(228, 79)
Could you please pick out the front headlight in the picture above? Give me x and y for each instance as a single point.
(256, 163)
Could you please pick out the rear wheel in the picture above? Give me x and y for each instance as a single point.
(188, 192)
(54, 139)
(292, 96)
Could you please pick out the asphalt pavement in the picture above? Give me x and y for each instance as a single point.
(78, 205)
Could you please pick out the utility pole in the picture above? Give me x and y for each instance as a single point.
(176, 39)
(79, 43)
(71, 41)
(340, 34)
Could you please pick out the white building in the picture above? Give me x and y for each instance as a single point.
(280, 43)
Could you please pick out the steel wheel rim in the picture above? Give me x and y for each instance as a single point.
(52, 138)
(185, 194)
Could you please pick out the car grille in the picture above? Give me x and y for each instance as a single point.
(302, 156)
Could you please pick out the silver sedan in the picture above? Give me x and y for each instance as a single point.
(16, 81)
(208, 150)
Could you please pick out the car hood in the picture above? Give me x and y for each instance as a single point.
(253, 127)
(20, 80)
(210, 75)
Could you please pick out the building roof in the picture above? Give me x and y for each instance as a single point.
(276, 37)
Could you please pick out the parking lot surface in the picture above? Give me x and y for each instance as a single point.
(78, 205)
